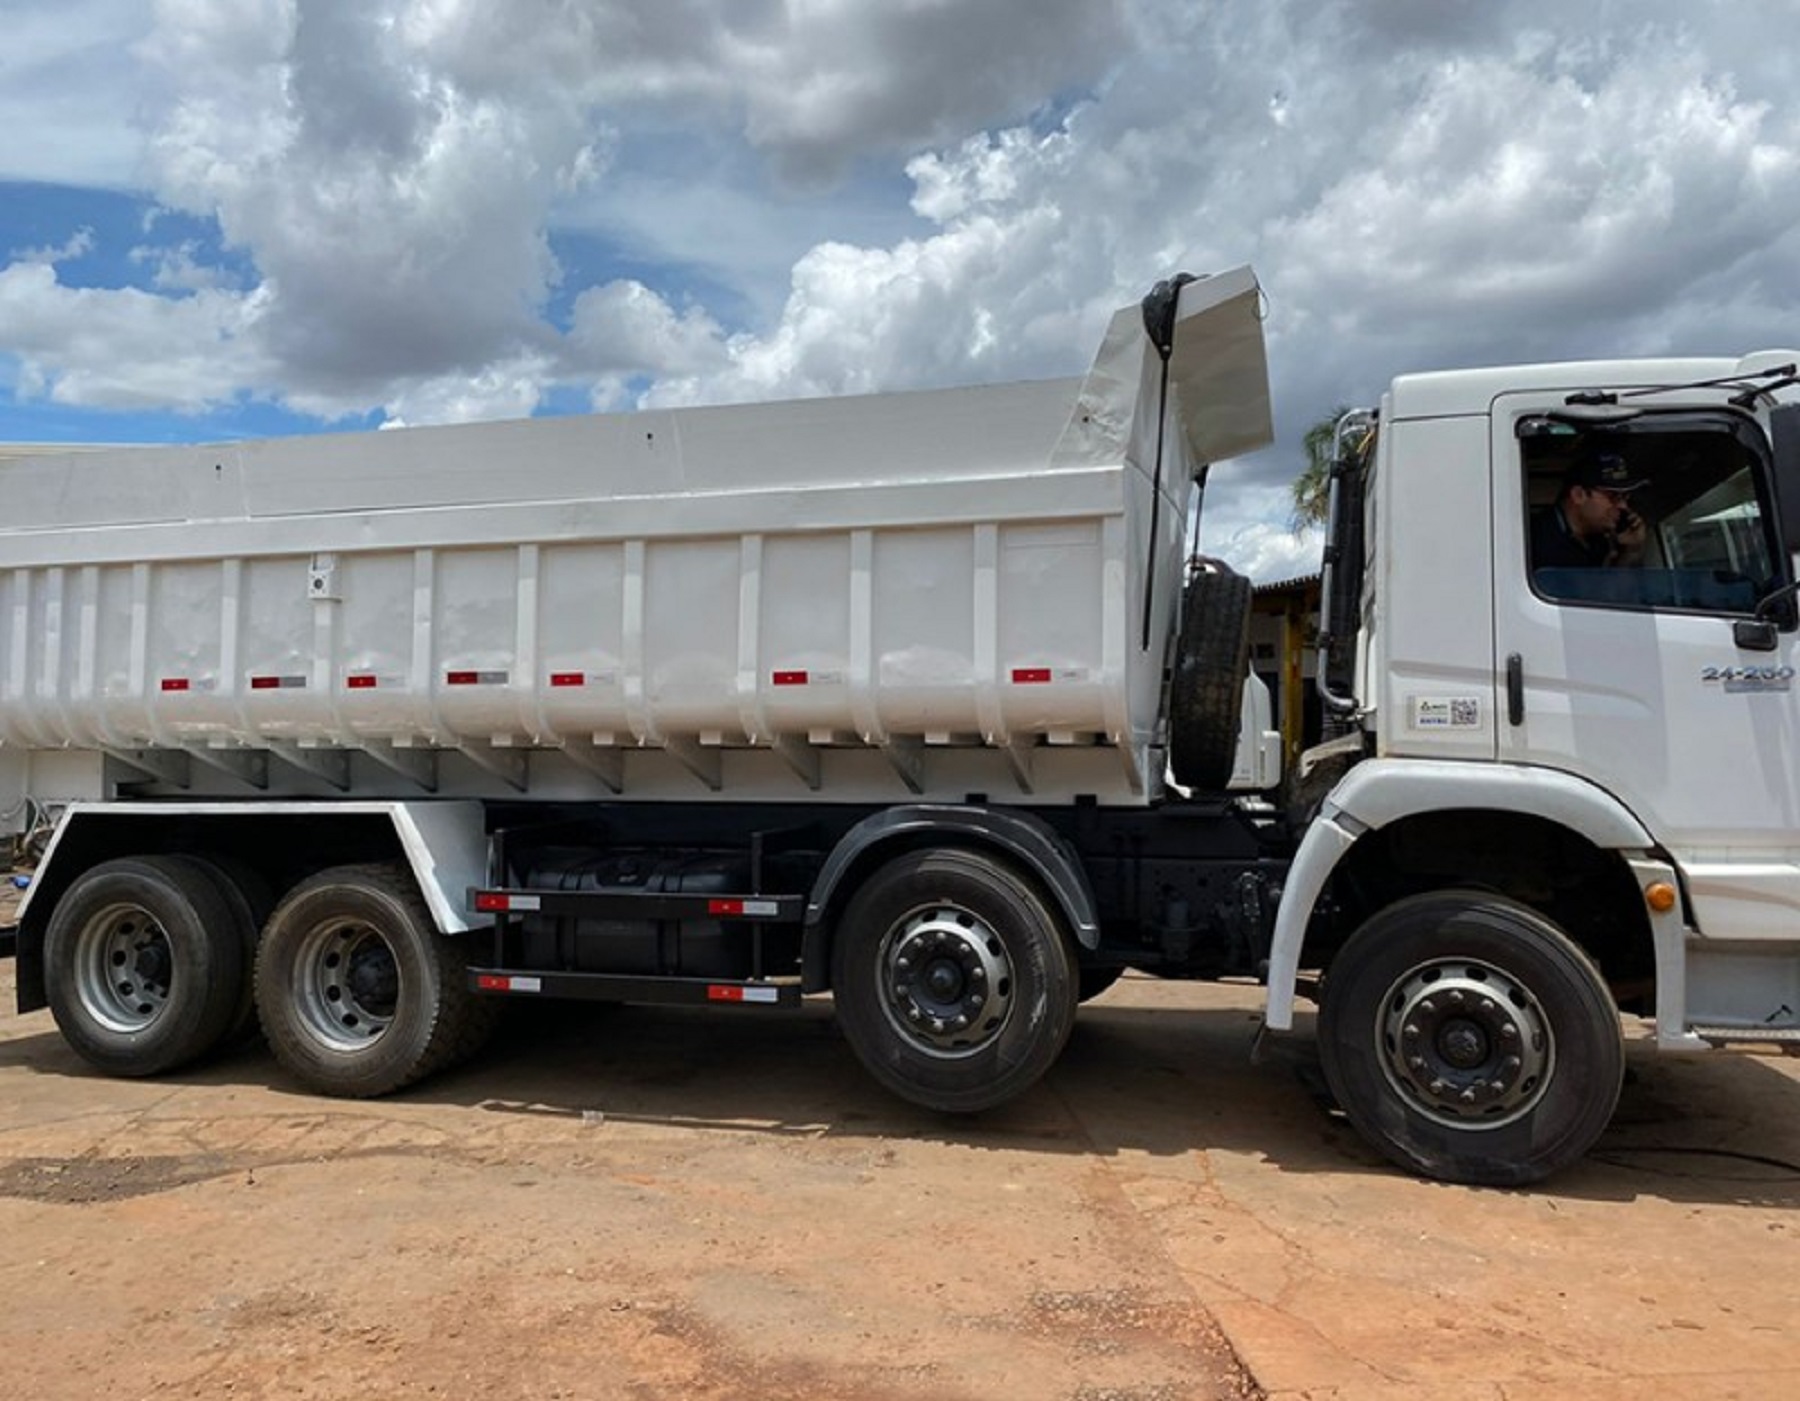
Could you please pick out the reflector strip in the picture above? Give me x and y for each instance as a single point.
(502, 982)
(720, 992)
(175, 683)
(475, 678)
(788, 678)
(753, 908)
(1030, 675)
(361, 681)
(497, 902)
(568, 678)
(277, 683)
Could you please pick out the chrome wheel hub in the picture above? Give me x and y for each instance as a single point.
(1466, 1043)
(947, 983)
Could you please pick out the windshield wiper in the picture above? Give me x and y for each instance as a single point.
(1782, 375)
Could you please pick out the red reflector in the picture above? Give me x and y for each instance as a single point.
(567, 678)
(716, 993)
(493, 983)
(488, 901)
(462, 678)
(1030, 675)
(789, 678)
(264, 683)
(363, 682)
(175, 683)
(725, 907)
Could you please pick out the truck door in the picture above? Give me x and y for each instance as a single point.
(1620, 662)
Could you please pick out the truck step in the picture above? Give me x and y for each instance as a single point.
(1767, 1035)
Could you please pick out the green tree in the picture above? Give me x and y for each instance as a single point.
(1312, 488)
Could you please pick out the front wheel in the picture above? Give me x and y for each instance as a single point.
(358, 993)
(1469, 1039)
(955, 981)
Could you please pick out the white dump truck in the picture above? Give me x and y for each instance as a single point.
(919, 699)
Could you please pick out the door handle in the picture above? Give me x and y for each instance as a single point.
(1515, 689)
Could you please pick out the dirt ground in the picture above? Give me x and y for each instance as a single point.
(650, 1203)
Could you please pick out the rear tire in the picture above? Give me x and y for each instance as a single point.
(1469, 1039)
(248, 897)
(144, 964)
(1206, 689)
(954, 980)
(359, 993)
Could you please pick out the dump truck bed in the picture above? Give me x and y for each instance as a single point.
(857, 599)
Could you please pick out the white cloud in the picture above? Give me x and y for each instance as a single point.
(130, 349)
(78, 244)
(68, 92)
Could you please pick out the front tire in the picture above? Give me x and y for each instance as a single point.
(144, 964)
(1469, 1039)
(954, 980)
(358, 992)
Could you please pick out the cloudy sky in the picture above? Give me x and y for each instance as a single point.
(222, 218)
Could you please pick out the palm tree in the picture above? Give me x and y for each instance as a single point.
(1312, 488)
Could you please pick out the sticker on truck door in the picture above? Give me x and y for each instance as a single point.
(1446, 712)
(1739, 679)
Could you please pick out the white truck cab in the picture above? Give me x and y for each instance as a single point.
(1579, 762)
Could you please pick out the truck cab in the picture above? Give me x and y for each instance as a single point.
(1565, 647)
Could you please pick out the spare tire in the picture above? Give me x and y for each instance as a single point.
(1206, 690)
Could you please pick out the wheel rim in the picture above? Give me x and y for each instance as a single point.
(947, 983)
(346, 984)
(1466, 1043)
(124, 968)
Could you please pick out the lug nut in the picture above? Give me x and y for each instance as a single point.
(1410, 1032)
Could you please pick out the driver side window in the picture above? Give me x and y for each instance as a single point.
(1653, 516)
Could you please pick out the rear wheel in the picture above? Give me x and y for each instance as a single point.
(247, 896)
(358, 992)
(144, 964)
(955, 981)
(1469, 1039)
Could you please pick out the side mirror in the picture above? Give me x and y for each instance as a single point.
(1776, 613)
(1784, 440)
(1755, 635)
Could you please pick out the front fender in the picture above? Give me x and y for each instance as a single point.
(1027, 841)
(1380, 791)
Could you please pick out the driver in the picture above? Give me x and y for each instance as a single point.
(1591, 521)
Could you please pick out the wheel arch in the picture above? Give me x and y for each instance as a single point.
(1556, 842)
(1024, 841)
(443, 843)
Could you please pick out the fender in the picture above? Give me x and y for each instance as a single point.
(443, 842)
(1028, 840)
(1379, 791)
